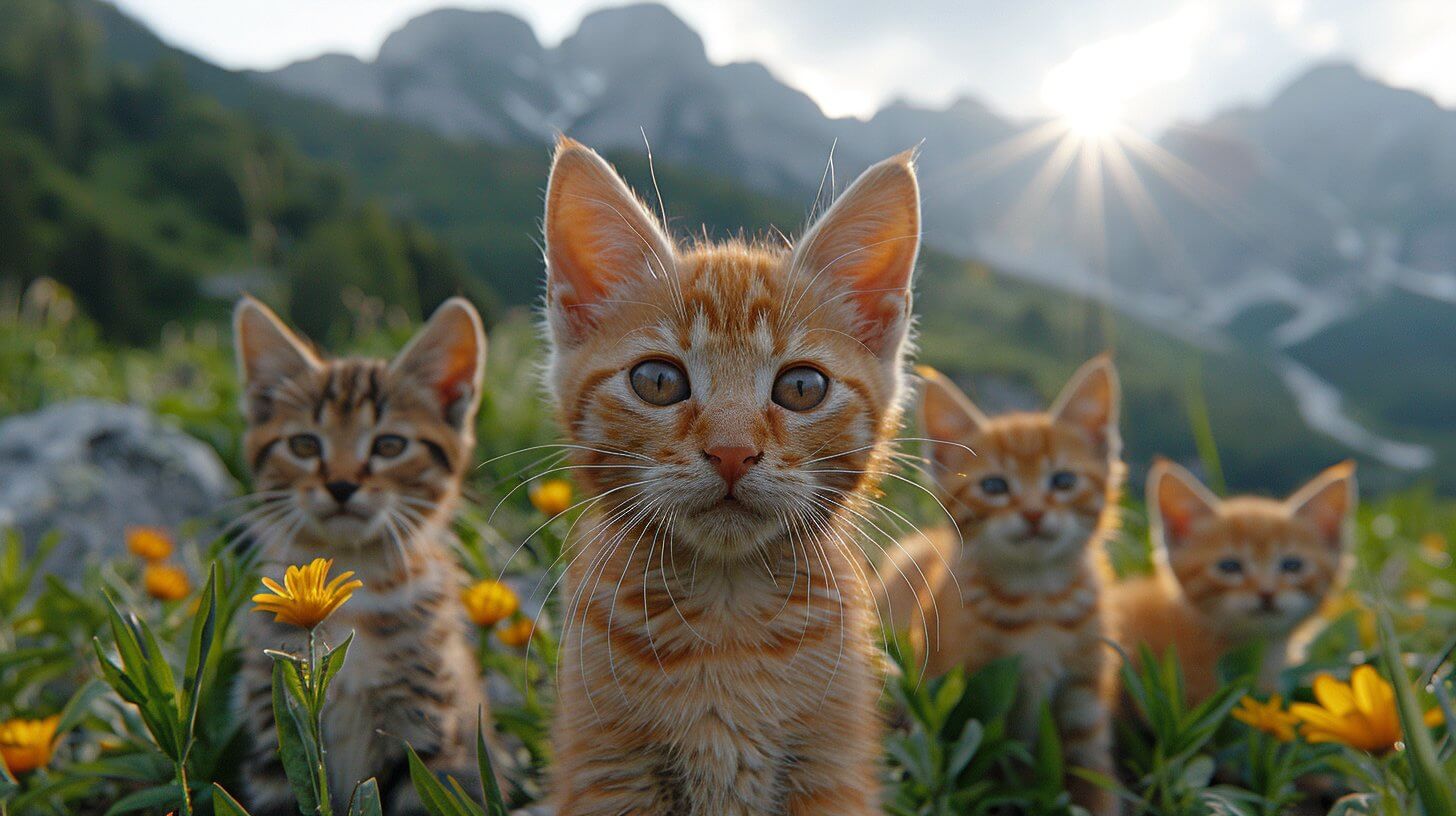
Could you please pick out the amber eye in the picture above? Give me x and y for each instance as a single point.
(304, 446)
(800, 388)
(659, 382)
(389, 446)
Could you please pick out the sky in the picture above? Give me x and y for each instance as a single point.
(1145, 63)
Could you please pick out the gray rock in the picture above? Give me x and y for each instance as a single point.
(88, 470)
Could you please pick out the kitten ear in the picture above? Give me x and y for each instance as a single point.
(1328, 502)
(1177, 501)
(268, 352)
(1091, 401)
(447, 357)
(948, 418)
(598, 235)
(869, 240)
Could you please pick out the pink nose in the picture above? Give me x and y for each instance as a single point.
(1033, 518)
(732, 462)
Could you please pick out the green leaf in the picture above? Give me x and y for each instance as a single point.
(162, 798)
(332, 662)
(199, 647)
(293, 743)
(988, 697)
(1436, 789)
(223, 804)
(143, 679)
(365, 800)
(965, 748)
(1050, 769)
(1198, 773)
(495, 804)
(8, 785)
(437, 799)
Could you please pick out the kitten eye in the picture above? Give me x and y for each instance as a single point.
(1231, 566)
(995, 486)
(1064, 480)
(389, 446)
(1291, 564)
(659, 382)
(800, 388)
(304, 446)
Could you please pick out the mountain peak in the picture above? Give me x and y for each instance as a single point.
(603, 38)
(496, 34)
(1345, 81)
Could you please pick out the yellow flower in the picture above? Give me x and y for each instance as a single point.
(27, 744)
(552, 496)
(518, 633)
(1270, 717)
(149, 543)
(307, 596)
(166, 582)
(1434, 545)
(1360, 713)
(489, 602)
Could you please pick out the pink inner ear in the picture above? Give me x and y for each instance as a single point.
(457, 373)
(1178, 507)
(883, 311)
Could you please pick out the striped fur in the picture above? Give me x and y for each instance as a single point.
(1033, 495)
(717, 657)
(1290, 555)
(410, 673)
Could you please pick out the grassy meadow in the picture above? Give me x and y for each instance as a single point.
(126, 674)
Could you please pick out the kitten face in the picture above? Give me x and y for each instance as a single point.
(732, 392)
(1032, 487)
(353, 452)
(1252, 565)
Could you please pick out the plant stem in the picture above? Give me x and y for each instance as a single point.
(316, 715)
(186, 794)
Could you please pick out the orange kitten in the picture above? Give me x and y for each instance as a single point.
(361, 461)
(1033, 496)
(1235, 570)
(726, 404)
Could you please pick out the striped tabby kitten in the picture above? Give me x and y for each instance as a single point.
(1235, 570)
(1033, 496)
(361, 461)
(726, 402)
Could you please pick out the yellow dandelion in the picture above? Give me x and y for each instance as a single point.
(552, 496)
(518, 633)
(27, 744)
(149, 543)
(307, 596)
(166, 582)
(1361, 713)
(489, 602)
(1269, 717)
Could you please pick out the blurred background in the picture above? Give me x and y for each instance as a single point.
(1252, 203)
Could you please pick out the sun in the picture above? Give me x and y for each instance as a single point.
(1092, 119)
(1088, 102)
(1091, 90)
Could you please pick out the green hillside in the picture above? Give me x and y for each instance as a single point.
(157, 185)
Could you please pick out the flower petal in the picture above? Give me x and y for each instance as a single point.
(1333, 694)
